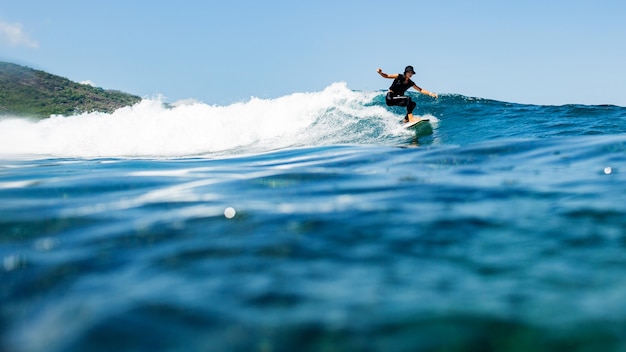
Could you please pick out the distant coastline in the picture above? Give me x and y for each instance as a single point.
(26, 92)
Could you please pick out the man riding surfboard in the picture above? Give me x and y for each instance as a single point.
(401, 83)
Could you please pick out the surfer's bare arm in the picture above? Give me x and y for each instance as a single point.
(424, 91)
(384, 75)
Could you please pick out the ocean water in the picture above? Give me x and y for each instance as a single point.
(314, 222)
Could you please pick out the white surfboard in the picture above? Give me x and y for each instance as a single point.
(414, 123)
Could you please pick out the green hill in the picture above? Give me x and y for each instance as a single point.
(28, 92)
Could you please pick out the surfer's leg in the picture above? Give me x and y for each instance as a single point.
(410, 106)
(401, 100)
(396, 100)
(390, 100)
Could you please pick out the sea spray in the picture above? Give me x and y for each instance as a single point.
(152, 128)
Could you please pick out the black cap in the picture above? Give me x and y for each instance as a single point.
(409, 69)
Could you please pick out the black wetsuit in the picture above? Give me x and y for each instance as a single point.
(396, 97)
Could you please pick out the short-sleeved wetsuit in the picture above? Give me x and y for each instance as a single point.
(396, 97)
(399, 87)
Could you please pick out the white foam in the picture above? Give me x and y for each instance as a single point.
(191, 128)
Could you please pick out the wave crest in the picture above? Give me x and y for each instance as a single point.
(152, 128)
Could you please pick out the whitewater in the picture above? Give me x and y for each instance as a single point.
(315, 222)
(152, 128)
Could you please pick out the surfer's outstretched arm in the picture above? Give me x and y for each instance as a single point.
(384, 75)
(424, 91)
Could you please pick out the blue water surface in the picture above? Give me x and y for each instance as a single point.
(502, 227)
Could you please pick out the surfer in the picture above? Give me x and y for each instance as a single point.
(401, 83)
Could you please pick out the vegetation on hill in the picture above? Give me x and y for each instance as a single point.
(28, 92)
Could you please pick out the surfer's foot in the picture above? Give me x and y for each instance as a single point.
(406, 118)
(410, 118)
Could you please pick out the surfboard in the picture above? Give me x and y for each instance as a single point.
(414, 123)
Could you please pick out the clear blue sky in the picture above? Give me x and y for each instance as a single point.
(220, 52)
